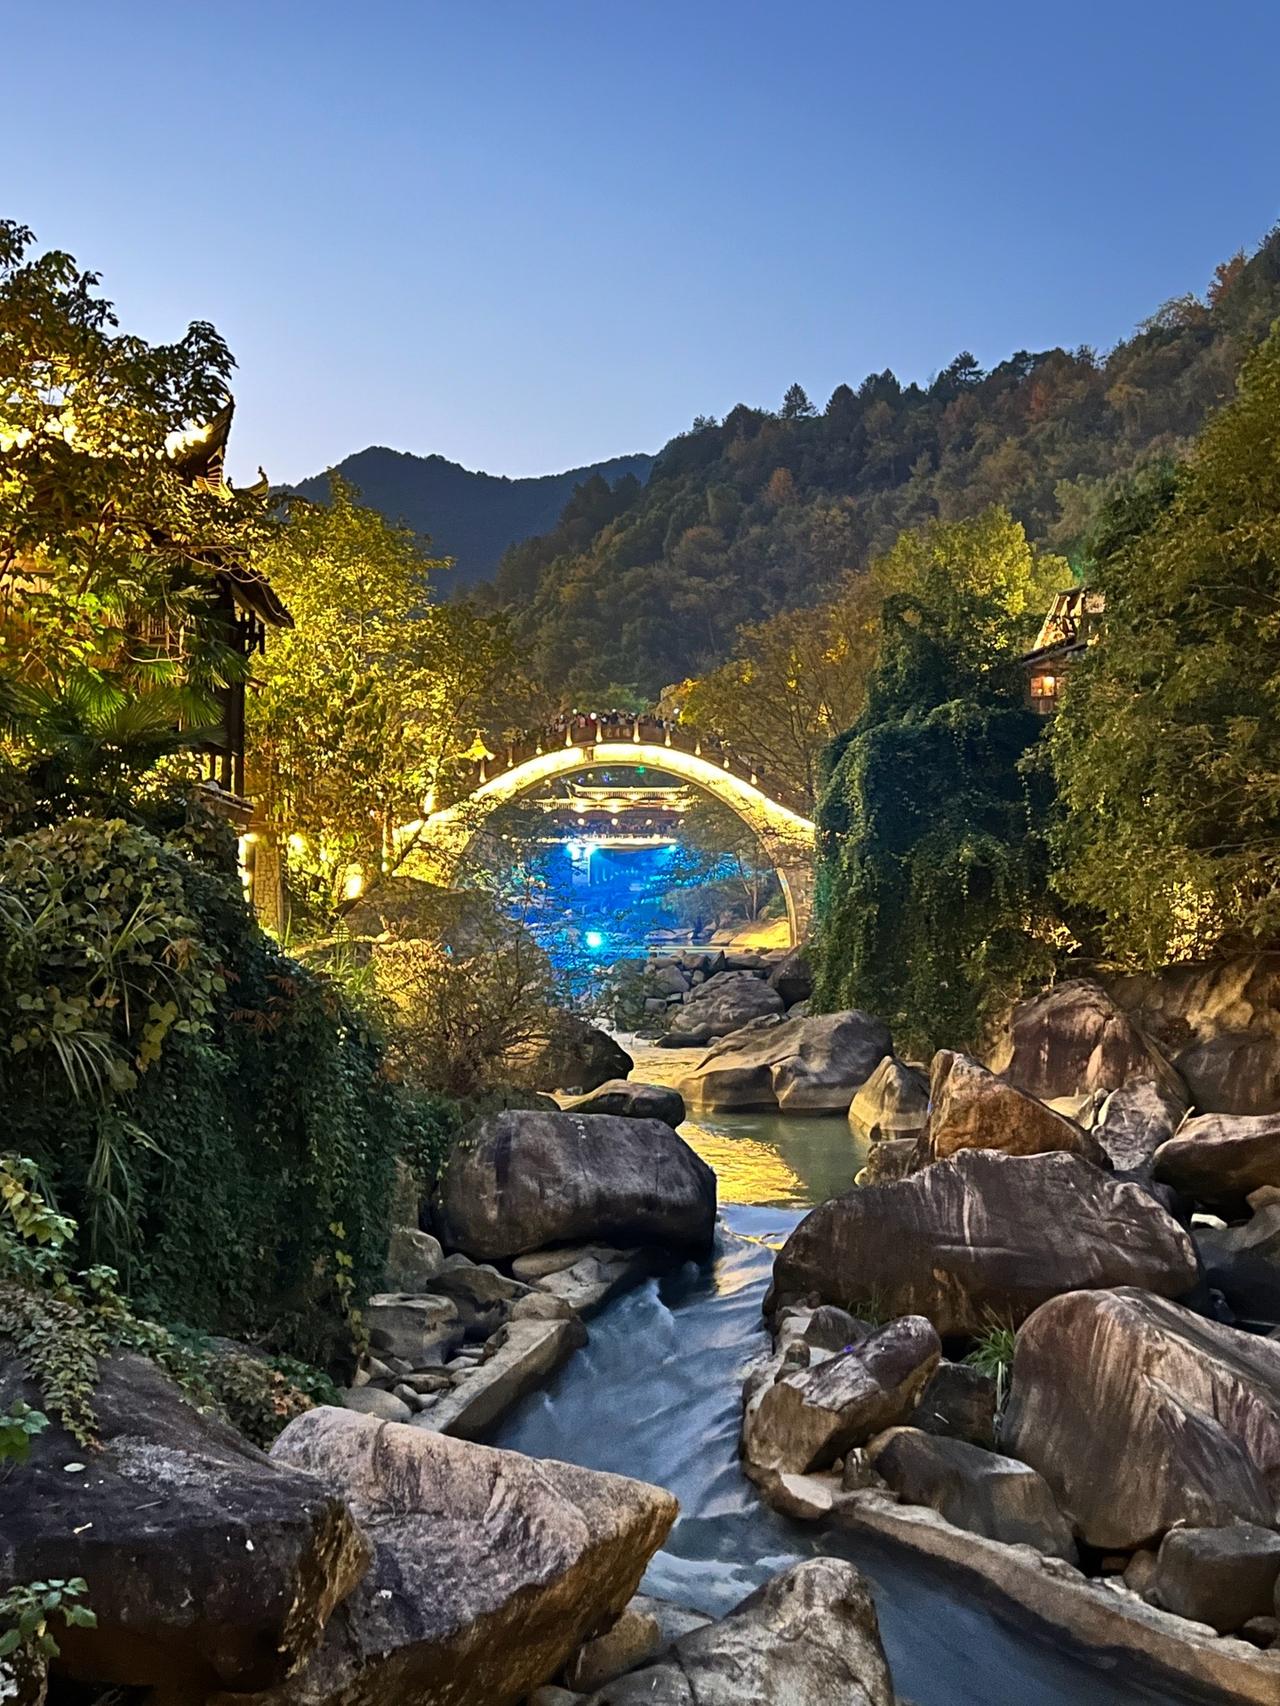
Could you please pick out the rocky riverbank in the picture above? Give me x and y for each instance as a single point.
(1131, 1447)
(1039, 1342)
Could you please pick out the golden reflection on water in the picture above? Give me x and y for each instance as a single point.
(763, 1159)
(748, 1171)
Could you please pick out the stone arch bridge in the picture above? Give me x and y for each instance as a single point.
(773, 813)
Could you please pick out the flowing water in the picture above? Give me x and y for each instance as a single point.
(657, 1394)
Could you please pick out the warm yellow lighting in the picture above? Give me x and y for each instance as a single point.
(786, 837)
(353, 887)
(297, 843)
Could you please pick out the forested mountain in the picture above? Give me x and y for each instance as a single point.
(469, 516)
(763, 511)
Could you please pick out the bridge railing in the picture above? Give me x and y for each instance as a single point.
(590, 729)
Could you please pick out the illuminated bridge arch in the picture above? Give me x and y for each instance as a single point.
(785, 834)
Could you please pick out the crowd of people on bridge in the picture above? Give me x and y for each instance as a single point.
(620, 725)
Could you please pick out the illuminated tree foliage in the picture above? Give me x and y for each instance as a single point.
(1167, 749)
(364, 712)
(219, 1120)
(106, 545)
(797, 680)
(932, 865)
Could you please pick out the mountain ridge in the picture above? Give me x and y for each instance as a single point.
(468, 514)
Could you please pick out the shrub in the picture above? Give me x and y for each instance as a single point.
(216, 1116)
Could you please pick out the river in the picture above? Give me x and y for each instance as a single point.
(657, 1393)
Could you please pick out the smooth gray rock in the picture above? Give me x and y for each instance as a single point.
(375, 1401)
(809, 1637)
(974, 1489)
(792, 977)
(515, 1182)
(1234, 1072)
(633, 1640)
(208, 1565)
(1140, 1415)
(573, 1056)
(892, 1104)
(667, 980)
(983, 1236)
(420, 1330)
(490, 1568)
(673, 1620)
(1243, 1263)
(597, 1277)
(806, 1417)
(1221, 1158)
(1220, 1576)
(482, 1296)
(721, 1005)
(629, 1100)
(832, 1329)
(1135, 1120)
(413, 1259)
(517, 1359)
(809, 1065)
(891, 1159)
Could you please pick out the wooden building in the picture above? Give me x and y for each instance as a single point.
(245, 607)
(1071, 623)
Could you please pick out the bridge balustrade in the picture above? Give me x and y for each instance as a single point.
(590, 730)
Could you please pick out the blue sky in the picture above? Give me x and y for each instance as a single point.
(528, 234)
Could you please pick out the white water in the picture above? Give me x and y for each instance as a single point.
(657, 1392)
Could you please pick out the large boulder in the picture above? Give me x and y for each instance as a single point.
(974, 1489)
(799, 1066)
(632, 1101)
(489, 1568)
(1141, 1415)
(207, 1564)
(1233, 1073)
(980, 1236)
(1221, 1158)
(809, 1636)
(808, 1416)
(970, 1108)
(573, 1055)
(893, 1104)
(1135, 1120)
(1074, 1038)
(516, 1181)
(1220, 1022)
(724, 1003)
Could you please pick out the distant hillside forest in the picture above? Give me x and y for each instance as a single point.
(639, 586)
(468, 516)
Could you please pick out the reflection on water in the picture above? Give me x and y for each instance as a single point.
(777, 1160)
(764, 1159)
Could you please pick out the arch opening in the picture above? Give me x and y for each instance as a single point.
(786, 837)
